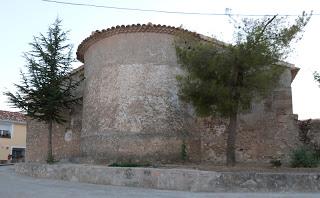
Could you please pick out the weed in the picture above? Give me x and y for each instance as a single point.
(304, 157)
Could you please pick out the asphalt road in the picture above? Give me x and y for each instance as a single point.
(14, 186)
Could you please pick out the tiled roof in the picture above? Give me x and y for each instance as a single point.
(101, 34)
(98, 35)
(12, 116)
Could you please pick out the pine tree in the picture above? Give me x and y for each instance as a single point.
(224, 79)
(316, 76)
(46, 87)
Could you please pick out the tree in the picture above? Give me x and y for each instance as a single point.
(224, 79)
(46, 87)
(316, 76)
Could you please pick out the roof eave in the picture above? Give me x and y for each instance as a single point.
(14, 121)
(135, 28)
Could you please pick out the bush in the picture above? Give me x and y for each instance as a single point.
(303, 157)
(184, 155)
(51, 160)
(276, 163)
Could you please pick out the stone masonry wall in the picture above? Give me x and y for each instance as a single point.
(267, 181)
(309, 133)
(65, 137)
(131, 110)
(267, 131)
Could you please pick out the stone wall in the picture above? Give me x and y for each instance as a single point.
(131, 110)
(179, 179)
(267, 131)
(309, 133)
(65, 137)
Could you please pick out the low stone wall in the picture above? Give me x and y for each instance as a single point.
(177, 179)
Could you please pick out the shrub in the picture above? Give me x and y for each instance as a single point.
(51, 160)
(275, 163)
(184, 151)
(303, 157)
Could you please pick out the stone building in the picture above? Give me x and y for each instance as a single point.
(130, 109)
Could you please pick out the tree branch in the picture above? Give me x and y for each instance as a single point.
(264, 28)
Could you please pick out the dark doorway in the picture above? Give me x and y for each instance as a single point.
(18, 154)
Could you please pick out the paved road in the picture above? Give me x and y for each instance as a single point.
(14, 186)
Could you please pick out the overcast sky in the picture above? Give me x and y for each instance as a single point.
(21, 20)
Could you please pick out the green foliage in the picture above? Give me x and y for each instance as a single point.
(46, 87)
(50, 160)
(208, 83)
(129, 164)
(304, 157)
(316, 76)
(184, 154)
(224, 79)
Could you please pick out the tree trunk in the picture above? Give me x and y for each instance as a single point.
(231, 141)
(232, 128)
(50, 156)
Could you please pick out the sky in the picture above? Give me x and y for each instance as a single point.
(21, 20)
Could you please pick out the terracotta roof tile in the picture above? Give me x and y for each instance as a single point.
(99, 35)
(12, 116)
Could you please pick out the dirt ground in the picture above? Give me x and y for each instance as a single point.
(240, 167)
